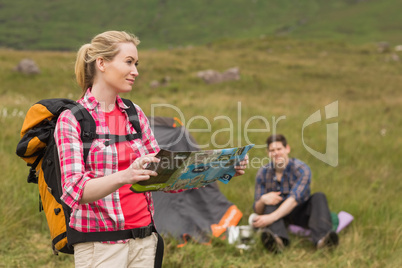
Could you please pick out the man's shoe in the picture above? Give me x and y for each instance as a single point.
(329, 240)
(272, 242)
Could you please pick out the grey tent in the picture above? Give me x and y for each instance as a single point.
(195, 214)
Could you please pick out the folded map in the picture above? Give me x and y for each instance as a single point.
(187, 170)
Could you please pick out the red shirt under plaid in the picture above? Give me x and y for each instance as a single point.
(105, 214)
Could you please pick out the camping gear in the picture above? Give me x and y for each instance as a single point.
(193, 214)
(344, 220)
(241, 236)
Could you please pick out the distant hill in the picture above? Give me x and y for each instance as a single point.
(65, 25)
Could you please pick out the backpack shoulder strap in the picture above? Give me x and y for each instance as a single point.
(134, 120)
(88, 126)
(133, 116)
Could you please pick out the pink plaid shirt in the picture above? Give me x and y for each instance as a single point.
(105, 214)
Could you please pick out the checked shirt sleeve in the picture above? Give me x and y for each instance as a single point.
(301, 189)
(69, 145)
(260, 185)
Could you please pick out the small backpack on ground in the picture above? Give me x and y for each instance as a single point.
(37, 147)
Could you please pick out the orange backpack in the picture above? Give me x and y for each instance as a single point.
(37, 147)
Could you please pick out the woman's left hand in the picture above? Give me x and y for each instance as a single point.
(240, 169)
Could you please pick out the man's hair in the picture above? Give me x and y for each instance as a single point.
(277, 138)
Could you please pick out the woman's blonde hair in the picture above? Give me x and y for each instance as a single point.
(104, 45)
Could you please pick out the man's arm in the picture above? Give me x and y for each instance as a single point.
(259, 206)
(284, 209)
(301, 188)
(271, 198)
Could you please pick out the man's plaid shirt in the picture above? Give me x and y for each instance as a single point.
(295, 181)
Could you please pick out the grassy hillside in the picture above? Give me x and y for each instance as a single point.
(65, 25)
(280, 78)
(362, 21)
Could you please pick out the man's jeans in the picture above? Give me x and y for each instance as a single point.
(313, 214)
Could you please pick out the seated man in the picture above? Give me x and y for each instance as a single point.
(282, 197)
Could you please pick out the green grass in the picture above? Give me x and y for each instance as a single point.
(64, 25)
(280, 78)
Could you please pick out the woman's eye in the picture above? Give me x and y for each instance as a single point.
(130, 62)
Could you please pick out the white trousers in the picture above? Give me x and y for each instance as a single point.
(135, 253)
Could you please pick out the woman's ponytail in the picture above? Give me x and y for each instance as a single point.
(83, 73)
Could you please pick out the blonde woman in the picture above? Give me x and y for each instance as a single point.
(97, 188)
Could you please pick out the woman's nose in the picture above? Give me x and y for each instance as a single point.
(134, 71)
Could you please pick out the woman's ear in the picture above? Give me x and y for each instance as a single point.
(100, 64)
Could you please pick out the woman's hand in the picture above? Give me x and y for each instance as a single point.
(137, 172)
(100, 187)
(240, 169)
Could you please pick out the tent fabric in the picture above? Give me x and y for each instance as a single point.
(192, 213)
(171, 135)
